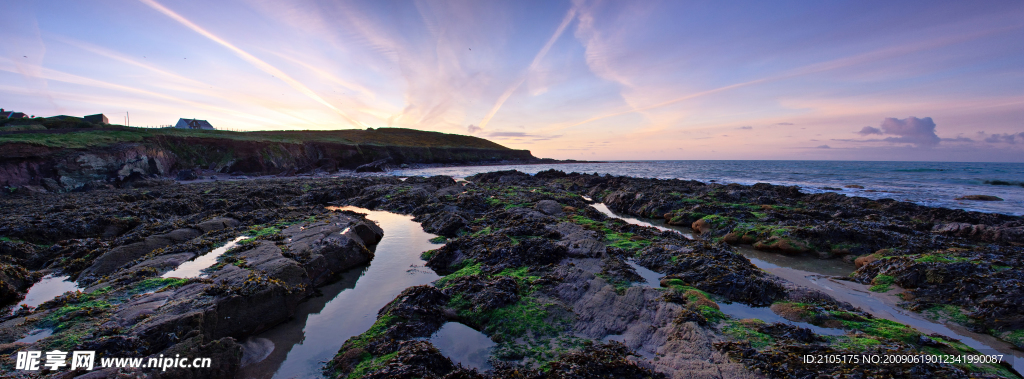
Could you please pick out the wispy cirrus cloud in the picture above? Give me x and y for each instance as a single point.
(264, 66)
(499, 135)
(569, 16)
(640, 74)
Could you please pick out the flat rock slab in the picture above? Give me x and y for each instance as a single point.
(121, 255)
(245, 300)
(267, 257)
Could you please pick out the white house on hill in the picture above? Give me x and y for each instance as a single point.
(186, 123)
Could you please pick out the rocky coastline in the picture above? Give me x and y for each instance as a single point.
(80, 160)
(525, 259)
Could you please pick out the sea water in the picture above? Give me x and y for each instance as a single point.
(936, 184)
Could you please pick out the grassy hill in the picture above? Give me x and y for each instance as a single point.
(85, 138)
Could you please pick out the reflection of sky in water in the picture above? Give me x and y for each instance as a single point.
(317, 331)
(194, 268)
(47, 289)
(464, 345)
(36, 335)
(742, 311)
(653, 279)
(764, 259)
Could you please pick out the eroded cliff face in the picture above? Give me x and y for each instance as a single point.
(60, 170)
(56, 169)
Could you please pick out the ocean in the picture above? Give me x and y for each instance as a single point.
(935, 184)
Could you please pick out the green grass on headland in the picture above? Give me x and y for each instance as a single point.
(379, 137)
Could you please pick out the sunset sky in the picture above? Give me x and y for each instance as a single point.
(853, 80)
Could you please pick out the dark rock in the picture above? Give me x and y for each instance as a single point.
(980, 198)
(119, 256)
(600, 361)
(267, 257)
(381, 165)
(225, 355)
(217, 223)
(549, 207)
(444, 223)
(414, 359)
(485, 295)
(185, 175)
(982, 232)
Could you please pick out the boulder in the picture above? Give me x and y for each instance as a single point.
(449, 191)
(549, 207)
(381, 165)
(701, 226)
(784, 245)
(324, 249)
(864, 260)
(443, 223)
(185, 175)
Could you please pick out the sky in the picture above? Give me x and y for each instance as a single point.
(579, 79)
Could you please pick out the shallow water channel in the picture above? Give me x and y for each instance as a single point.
(608, 212)
(821, 274)
(299, 348)
(195, 267)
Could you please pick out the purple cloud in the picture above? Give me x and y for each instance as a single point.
(912, 130)
(918, 131)
(745, 128)
(867, 130)
(473, 129)
(824, 147)
(1005, 138)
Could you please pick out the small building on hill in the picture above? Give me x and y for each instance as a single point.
(186, 123)
(11, 114)
(97, 119)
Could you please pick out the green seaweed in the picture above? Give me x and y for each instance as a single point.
(947, 311)
(739, 332)
(467, 269)
(154, 284)
(625, 241)
(882, 283)
(376, 330)
(369, 364)
(940, 258)
(711, 314)
(855, 343)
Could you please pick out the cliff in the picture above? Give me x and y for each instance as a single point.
(73, 160)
